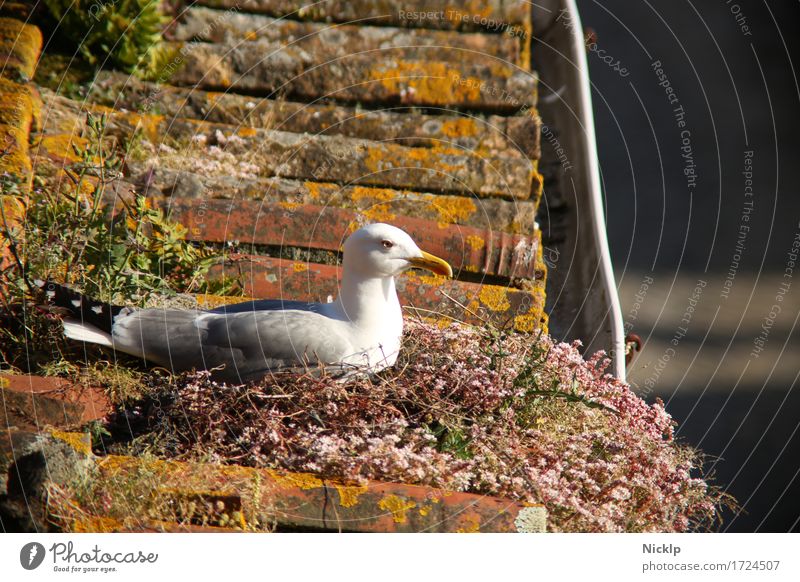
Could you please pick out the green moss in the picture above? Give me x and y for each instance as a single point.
(121, 33)
(65, 75)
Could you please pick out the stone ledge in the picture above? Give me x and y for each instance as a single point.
(229, 498)
(20, 45)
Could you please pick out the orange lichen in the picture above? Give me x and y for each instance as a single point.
(206, 301)
(528, 322)
(459, 127)
(472, 524)
(378, 213)
(349, 494)
(77, 440)
(15, 158)
(389, 157)
(299, 480)
(17, 104)
(95, 524)
(118, 463)
(397, 506)
(247, 132)
(300, 267)
(537, 184)
(451, 209)
(476, 242)
(494, 298)
(321, 190)
(430, 280)
(59, 147)
(360, 193)
(435, 83)
(20, 45)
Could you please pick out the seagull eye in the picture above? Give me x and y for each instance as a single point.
(387, 244)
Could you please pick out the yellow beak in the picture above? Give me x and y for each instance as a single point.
(433, 264)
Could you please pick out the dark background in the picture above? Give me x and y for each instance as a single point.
(739, 93)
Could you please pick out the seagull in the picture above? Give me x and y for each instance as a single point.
(243, 342)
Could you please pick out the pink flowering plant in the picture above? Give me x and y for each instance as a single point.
(464, 409)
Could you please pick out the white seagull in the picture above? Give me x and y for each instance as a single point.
(246, 341)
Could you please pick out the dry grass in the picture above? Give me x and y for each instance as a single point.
(465, 409)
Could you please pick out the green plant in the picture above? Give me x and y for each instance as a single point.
(83, 232)
(122, 32)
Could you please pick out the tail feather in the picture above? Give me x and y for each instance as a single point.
(84, 332)
(87, 311)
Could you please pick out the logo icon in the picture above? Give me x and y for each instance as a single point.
(31, 555)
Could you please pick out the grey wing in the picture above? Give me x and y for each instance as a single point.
(166, 337)
(266, 305)
(262, 341)
(243, 345)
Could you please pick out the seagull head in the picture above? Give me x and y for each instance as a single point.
(382, 250)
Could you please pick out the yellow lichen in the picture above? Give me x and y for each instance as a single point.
(20, 44)
(247, 132)
(381, 158)
(397, 506)
(460, 127)
(430, 280)
(299, 480)
(476, 242)
(472, 524)
(95, 524)
(205, 301)
(300, 267)
(60, 146)
(360, 193)
(77, 440)
(15, 158)
(451, 209)
(537, 184)
(378, 213)
(494, 298)
(17, 104)
(527, 322)
(314, 189)
(436, 83)
(349, 494)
